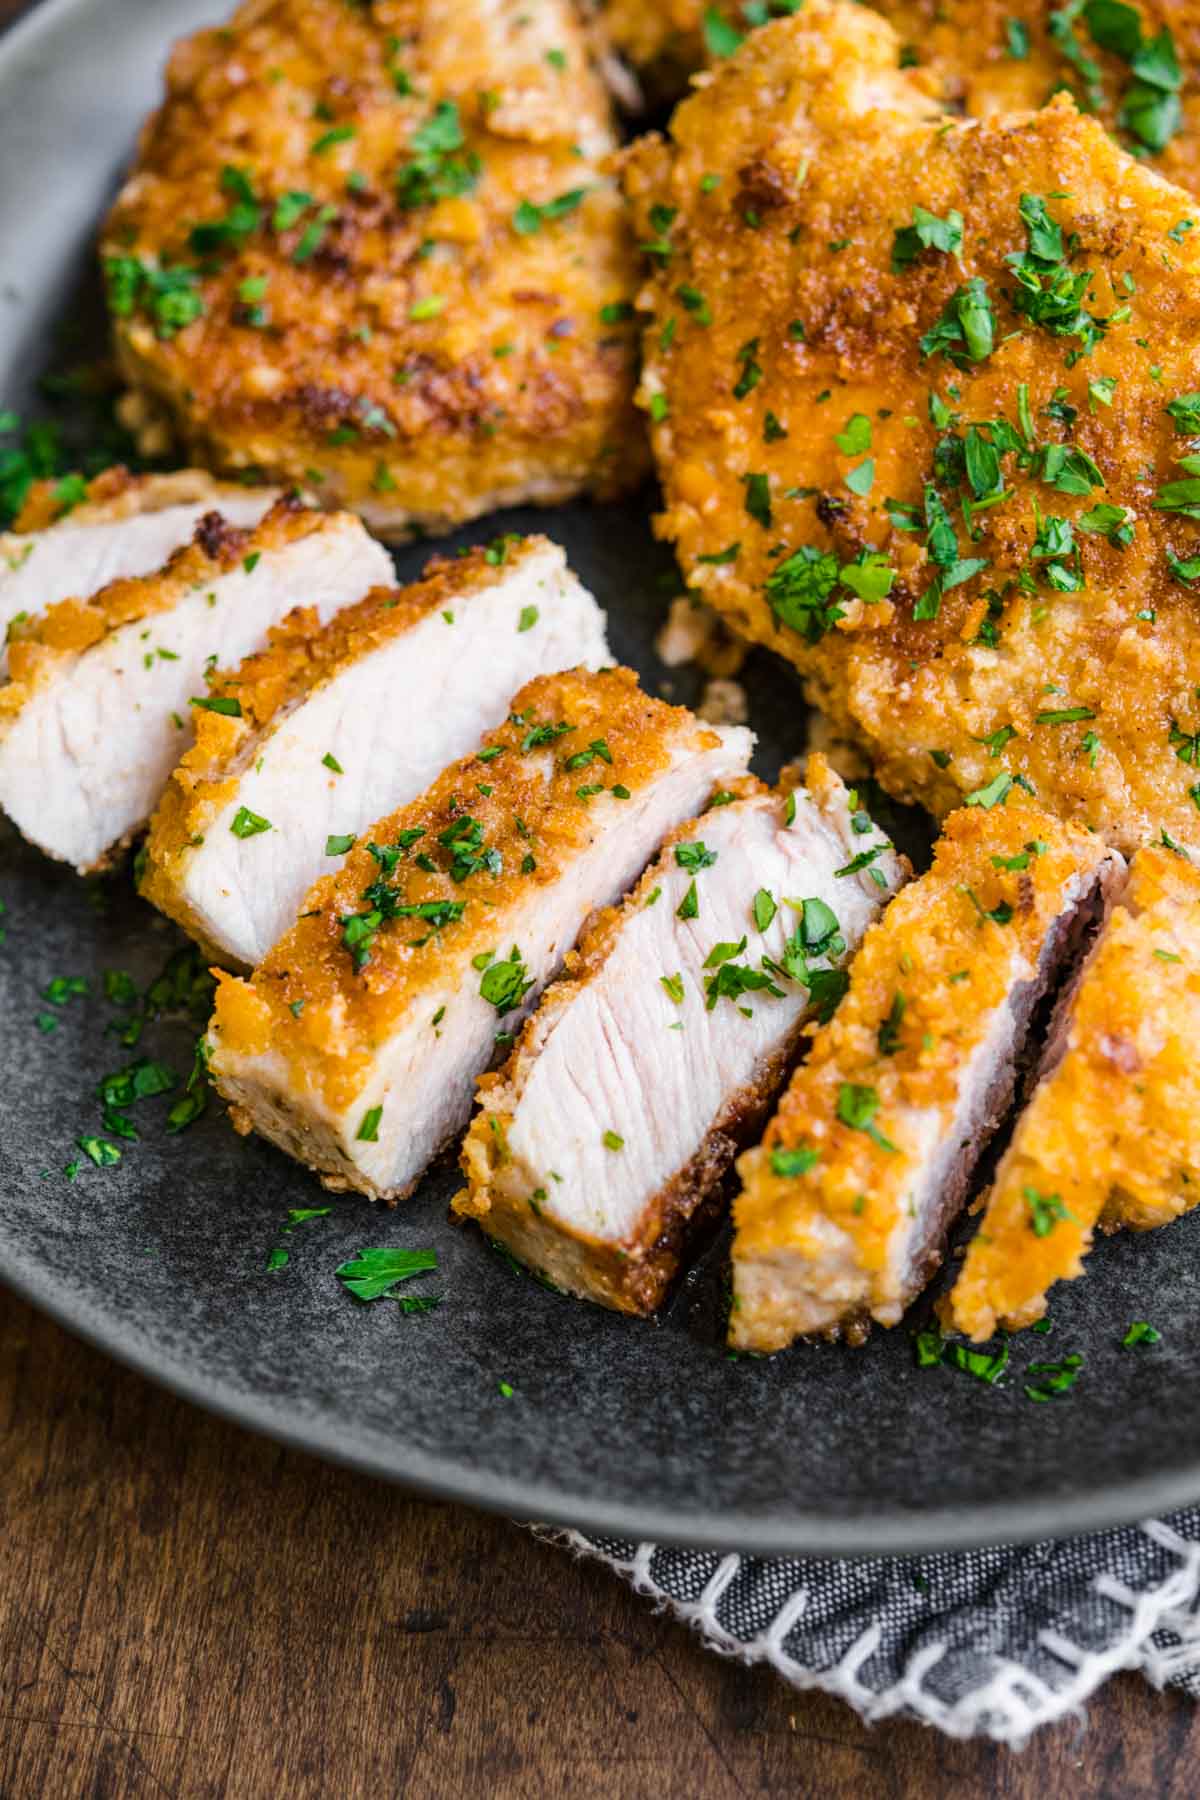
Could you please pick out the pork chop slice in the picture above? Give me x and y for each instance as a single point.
(356, 1043)
(127, 525)
(1111, 1135)
(342, 723)
(846, 1203)
(657, 1055)
(101, 693)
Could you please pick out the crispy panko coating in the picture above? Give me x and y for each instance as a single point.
(371, 249)
(925, 414)
(1136, 67)
(1112, 1134)
(846, 1202)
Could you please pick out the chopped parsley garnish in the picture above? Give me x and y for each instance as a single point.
(337, 134)
(230, 707)
(171, 296)
(695, 857)
(764, 909)
(731, 980)
(528, 618)
(1185, 414)
(612, 1141)
(888, 1037)
(504, 984)
(995, 793)
(368, 1128)
(673, 986)
(720, 37)
(927, 232)
(468, 852)
(540, 735)
(856, 436)
(932, 1350)
(103, 1153)
(966, 330)
(790, 1163)
(1045, 1211)
(336, 845)
(372, 1274)
(1182, 496)
(856, 1107)
(1048, 292)
(435, 170)
(246, 824)
(243, 217)
(758, 499)
(529, 218)
(1064, 715)
(750, 372)
(1056, 1378)
(65, 987)
(689, 906)
(1140, 1333)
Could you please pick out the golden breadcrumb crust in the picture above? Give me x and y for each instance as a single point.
(924, 990)
(309, 1004)
(118, 494)
(633, 1276)
(1112, 1134)
(41, 645)
(301, 654)
(987, 56)
(779, 327)
(382, 313)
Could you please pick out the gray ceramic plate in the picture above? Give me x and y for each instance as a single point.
(636, 1429)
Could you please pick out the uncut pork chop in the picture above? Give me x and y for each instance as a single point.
(927, 402)
(371, 250)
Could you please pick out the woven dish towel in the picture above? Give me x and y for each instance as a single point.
(977, 1643)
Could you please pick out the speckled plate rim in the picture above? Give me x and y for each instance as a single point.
(904, 1532)
(901, 1533)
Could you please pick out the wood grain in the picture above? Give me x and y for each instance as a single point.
(186, 1610)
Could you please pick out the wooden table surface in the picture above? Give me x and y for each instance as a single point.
(186, 1610)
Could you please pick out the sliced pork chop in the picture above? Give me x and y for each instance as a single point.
(356, 1044)
(341, 724)
(99, 703)
(1112, 1132)
(846, 1203)
(648, 1065)
(126, 525)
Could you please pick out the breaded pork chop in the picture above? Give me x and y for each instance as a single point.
(341, 723)
(369, 248)
(114, 526)
(694, 991)
(356, 1043)
(1136, 67)
(927, 421)
(846, 1204)
(1111, 1134)
(101, 692)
